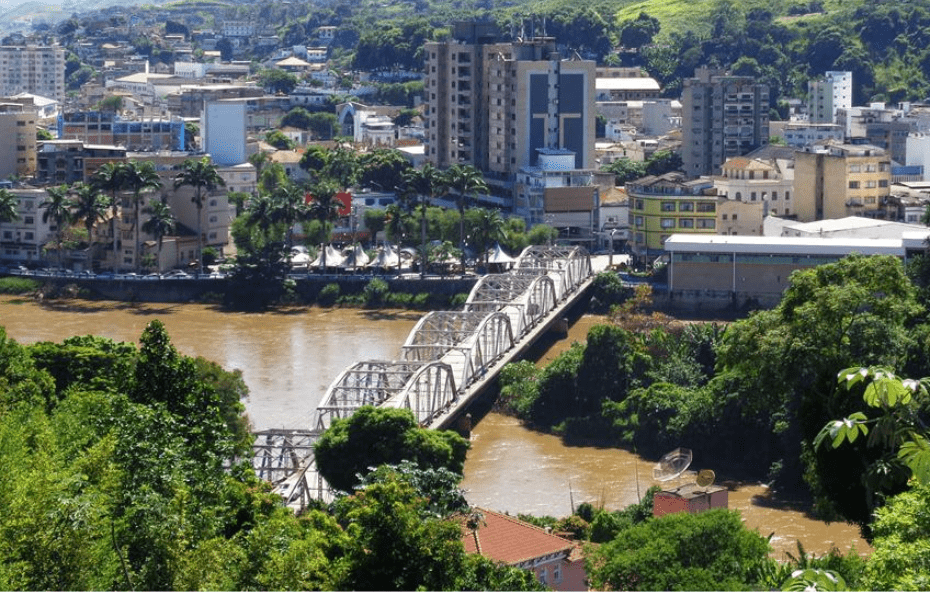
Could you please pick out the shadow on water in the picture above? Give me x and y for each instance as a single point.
(91, 307)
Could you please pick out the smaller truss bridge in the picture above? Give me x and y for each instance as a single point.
(448, 358)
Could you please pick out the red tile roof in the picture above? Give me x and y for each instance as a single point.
(507, 540)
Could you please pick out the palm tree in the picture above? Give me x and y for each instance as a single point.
(161, 222)
(466, 181)
(91, 207)
(9, 204)
(325, 208)
(289, 208)
(201, 175)
(139, 177)
(426, 182)
(490, 230)
(57, 208)
(110, 177)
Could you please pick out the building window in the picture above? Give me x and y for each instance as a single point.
(855, 168)
(787, 196)
(686, 206)
(870, 200)
(557, 573)
(543, 576)
(883, 183)
(854, 184)
(734, 216)
(707, 207)
(686, 223)
(639, 221)
(639, 204)
(29, 220)
(752, 196)
(706, 223)
(724, 216)
(739, 196)
(774, 196)
(668, 206)
(668, 223)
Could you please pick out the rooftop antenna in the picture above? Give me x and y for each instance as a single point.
(672, 465)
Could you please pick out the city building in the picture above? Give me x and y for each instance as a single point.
(800, 134)
(70, 161)
(18, 149)
(722, 117)
(839, 180)
(494, 105)
(827, 95)
(23, 239)
(189, 100)
(879, 126)
(751, 189)
(224, 130)
(661, 206)
(32, 69)
(556, 562)
(137, 134)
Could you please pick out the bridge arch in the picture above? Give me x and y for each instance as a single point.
(525, 298)
(428, 392)
(570, 266)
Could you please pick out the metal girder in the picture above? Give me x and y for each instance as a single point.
(429, 392)
(364, 383)
(524, 298)
(570, 265)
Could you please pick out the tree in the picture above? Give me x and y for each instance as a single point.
(639, 32)
(161, 223)
(323, 125)
(324, 208)
(712, 550)
(57, 207)
(383, 168)
(466, 181)
(277, 139)
(202, 176)
(901, 543)
(663, 161)
(374, 436)
(781, 365)
(111, 177)
(626, 170)
(90, 207)
(423, 184)
(297, 117)
(9, 206)
(276, 81)
(489, 230)
(139, 177)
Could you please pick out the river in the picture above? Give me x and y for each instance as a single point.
(288, 358)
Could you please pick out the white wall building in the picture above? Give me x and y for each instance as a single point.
(832, 92)
(31, 69)
(918, 152)
(223, 131)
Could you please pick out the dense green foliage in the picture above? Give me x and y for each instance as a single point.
(115, 474)
(766, 383)
(374, 436)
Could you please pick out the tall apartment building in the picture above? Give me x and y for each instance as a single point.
(31, 69)
(826, 95)
(722, 116)
(495, 105)
(18, 148)
(839, 180)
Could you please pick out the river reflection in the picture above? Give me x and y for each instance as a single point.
(289, 358)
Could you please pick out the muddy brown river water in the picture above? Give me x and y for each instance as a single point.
(289, 358)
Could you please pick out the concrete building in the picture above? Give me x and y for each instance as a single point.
(32, 69)
(555, 193)
(493, 105)
(137, 134)
(802, 134)
(189, 100)
(839, 180)
(224, 131)
(22, 240)
(71, 161)
(18, 148)
(722, 117)
(639, 88)
(690, 498)
(751, 189)
(917, 152)
(879, 126)
(661, 206)
(827, 94)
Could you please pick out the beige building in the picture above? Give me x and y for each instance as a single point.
(839, 180)
(18, 148)
(750, 189)
(31, 69)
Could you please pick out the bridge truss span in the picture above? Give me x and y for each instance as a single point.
(469, 341)
(568, 266)
(429, 391)
(526, 299)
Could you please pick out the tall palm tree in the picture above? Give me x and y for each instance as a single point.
(490, 230)
(161, 222)
(140, 177)
(325, 208)
(58, 209)
(465, 181)
(201, 175)
(290, 208)
(9, 204)
(426, 182)
(110, 177)
(90, 206)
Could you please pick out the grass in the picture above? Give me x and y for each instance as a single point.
(17, 285)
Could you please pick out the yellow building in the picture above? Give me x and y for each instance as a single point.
(669, 204)
(839, 180)
(18, 151)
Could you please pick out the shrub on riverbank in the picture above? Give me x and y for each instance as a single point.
(18, 285)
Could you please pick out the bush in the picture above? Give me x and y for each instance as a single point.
(375, 292)
(399, 299)
(609, 290)
(458, 301)
(328, 295)
(421, 300)
(519, 388)
(18, 285)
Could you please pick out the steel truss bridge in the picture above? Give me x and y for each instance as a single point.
(448, 359)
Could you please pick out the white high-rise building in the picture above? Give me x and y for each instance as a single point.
(224, 131)
(832, 92)
(30, 69)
